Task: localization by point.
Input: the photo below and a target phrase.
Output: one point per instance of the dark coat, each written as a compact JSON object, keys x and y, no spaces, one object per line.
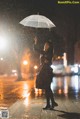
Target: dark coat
{"x":44,"y":77}
{"x":45,"y":54}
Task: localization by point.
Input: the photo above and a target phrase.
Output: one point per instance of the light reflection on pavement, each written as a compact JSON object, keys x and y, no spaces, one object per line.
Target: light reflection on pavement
{"x":12,"y":90}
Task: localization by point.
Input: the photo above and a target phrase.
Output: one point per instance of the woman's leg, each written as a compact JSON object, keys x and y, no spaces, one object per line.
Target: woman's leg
{"x":47,"y":97}
{"x":47,"y":100}
{"x":50,"y":97}
{"x":53,"y":103}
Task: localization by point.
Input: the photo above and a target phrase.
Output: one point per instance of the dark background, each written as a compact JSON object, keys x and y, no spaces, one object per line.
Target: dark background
{"x":65,"y":17}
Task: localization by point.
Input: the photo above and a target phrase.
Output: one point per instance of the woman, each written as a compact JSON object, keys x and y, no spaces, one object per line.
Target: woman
{"x":47,"y":52}
{"x":45,"y":74}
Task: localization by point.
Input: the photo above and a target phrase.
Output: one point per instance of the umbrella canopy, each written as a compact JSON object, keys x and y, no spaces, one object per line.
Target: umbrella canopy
{"x":37,"y":21}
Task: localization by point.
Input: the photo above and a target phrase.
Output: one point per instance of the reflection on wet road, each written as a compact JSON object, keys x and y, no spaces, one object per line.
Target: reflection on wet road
{"x":12,"y":90}
{"x":66,"y":86}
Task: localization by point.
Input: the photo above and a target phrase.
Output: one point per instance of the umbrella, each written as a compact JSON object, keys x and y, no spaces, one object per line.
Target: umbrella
{"x":37,"y":21}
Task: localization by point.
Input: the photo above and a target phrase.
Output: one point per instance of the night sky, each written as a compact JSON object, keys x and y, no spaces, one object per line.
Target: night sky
{"x":65,"y":17}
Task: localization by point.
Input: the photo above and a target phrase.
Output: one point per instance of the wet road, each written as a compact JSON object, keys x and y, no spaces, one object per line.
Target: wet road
{"x":67,"y":86}
{"x":12,"y":90}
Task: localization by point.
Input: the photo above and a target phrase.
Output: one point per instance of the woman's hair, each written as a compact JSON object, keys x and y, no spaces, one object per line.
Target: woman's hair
{"x":50,"y":44}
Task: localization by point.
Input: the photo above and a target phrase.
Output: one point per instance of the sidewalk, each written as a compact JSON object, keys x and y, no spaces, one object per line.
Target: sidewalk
{"x":67,"y":109}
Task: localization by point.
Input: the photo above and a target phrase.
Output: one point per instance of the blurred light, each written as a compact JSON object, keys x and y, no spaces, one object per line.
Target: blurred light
{"x":26,"y":101}
{"x":53,"y":66}
{"x":25,"y":94}
{"x":35,"y":67}
{"x":76,"y":65}
{"x":59,"y":82}
{"x":65,"y":59}
{"x":75,"y":83}
{"x":53,"y":84}
{"x":25,"y":62}
{"x":15,"y":74}
{"x":65,"y":86}
{"x":3,"y":43}
{"x":38,"y":92}
{"x":14,"y":71}
{"x":25,"y":87}
{"x":75,"y":68}
{"x":58,"y":57}
{"x":60,"y":91}
{"x":66,"y":90}
{"x":1,"y":58}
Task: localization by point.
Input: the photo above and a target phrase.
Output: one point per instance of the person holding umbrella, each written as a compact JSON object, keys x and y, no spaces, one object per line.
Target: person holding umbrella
{"x":45,"y":74}
{"x":40,"y":21}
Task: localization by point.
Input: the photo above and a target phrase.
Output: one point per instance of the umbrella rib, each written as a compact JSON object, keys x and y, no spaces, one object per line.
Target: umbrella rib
{"x":48,"y":24}
{"x":38,"y":21}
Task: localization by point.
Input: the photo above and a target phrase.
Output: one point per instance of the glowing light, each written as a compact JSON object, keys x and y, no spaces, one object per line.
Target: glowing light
{"x":66,"y":90}
{"x":25,"y":91}
{"x":25,"y":62}
{"x":75,"y":83}
{"x":25,"y":94}
{"x":76,"y":65}
{"x":65,"y":59}
{"x":14,"y":71}
{"x":1,"y":58}
{"x":79,"y":65}
{"x":58,"y":57}
{"x":25,"y":87}
{"x":35,"y":67}
{"x":3,"y":43}
{"x":60,"y":91}
{"x":53,"y":66}
{"x":38,"y":92}
{"x":65,"y":86}
{"x":74,"y":69}
{"x":15,"y":74}
{"x":26,"y":101}
{"x":59,"y":82}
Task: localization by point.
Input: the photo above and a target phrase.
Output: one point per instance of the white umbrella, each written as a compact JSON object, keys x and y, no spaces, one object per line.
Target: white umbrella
{"x":37,"y":21}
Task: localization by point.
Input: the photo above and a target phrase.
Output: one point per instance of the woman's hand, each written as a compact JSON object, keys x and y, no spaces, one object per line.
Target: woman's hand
{"x":35,"y":40}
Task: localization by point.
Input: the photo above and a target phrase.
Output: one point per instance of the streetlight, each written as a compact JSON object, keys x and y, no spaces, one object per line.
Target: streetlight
{"x":1,"y":59}
{"x":25,"y":68}
{"x":35,"y":67}
{"x":25,"y":62}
